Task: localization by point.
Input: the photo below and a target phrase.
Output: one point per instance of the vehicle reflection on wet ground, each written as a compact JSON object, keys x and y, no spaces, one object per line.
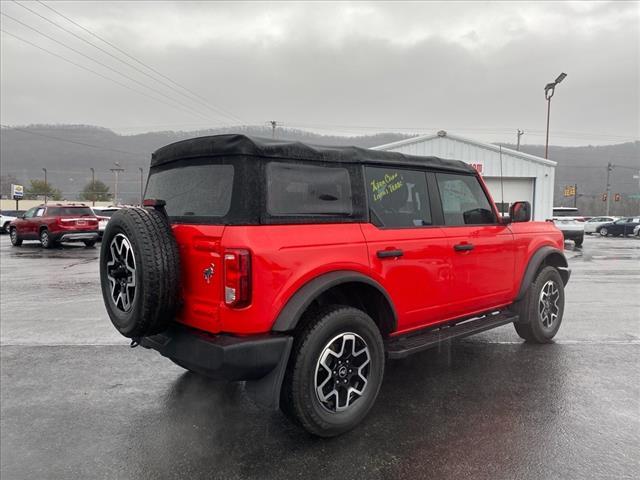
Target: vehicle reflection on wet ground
{"x":77,"y":402}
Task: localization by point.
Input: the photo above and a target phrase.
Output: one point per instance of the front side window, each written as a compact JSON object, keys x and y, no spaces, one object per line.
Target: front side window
{"x":300,"y":190}
{"x":398,"y":198}
{"x":39,"y":212}
{"x":463,"y":200}
{"x":193,"y":190}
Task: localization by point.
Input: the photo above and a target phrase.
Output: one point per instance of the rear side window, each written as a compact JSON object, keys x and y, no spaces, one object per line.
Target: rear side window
{"x":398,"y":198}
{"x":463,"y":200}
{"x":68,"y":211}
{"x":193,"y":190}
{"x":303,"y":190}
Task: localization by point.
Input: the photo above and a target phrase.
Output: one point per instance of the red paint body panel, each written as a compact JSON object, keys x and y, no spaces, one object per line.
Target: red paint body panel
{"x":430,"y":283}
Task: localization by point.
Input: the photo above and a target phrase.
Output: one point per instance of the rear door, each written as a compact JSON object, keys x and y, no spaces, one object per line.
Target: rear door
{"x":483,"y":250}
{"x":407,"y":252}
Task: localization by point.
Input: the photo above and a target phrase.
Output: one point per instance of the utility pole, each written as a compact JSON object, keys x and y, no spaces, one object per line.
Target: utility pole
{"x":609,"y":168}
{"x":520,"y":133}
{"x":116,"y":171}
{"x":93,"y":187}
{"x":141,"y":191}
{"x":575,"y":196}
{"x":46,"y":185}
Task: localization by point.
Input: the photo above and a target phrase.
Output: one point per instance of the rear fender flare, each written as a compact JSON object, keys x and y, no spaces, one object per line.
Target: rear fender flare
{"x":544,"y":255}
{"x":290,"y":315}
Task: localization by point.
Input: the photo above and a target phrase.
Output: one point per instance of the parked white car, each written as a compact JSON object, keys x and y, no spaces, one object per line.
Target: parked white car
{"x":6,"y":217}
{"x":572,"y":228}
{"x":104,"y":214}
{"x":636,"y":231}
{"x":590,"y":226}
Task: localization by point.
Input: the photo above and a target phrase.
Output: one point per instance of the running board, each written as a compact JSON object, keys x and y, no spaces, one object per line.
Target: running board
{"x":400,"y":347}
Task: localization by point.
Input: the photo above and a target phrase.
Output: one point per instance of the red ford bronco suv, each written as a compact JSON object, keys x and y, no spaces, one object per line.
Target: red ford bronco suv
{"x":300,"y":269}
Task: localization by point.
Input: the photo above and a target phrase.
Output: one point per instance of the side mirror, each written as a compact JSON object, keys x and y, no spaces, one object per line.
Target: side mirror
{"x":520,"y":212}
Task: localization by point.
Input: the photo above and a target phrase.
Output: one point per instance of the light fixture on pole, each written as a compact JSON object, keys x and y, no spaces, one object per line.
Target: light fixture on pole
{"x":549,"y":90}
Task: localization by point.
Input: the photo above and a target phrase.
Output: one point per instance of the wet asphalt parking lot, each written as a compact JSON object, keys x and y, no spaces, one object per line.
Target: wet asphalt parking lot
{"x":78,"y":403}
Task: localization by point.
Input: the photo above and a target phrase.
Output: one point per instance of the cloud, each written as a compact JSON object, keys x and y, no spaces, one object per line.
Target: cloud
{"x":460,"y":65}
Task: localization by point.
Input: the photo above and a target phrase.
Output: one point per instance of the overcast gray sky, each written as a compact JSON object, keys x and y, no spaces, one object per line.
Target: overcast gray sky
{"x":474,"y":68}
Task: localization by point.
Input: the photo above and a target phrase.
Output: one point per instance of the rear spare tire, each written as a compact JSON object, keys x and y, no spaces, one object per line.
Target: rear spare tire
{"x":140,"y":272}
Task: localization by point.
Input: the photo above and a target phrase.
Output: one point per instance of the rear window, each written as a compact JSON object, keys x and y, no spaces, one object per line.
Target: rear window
{"x":303,"y":190}
{"x":68,"y":211}
{"x":193,"y":190}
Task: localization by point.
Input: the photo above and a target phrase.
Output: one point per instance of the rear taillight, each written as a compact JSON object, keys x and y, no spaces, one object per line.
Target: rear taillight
{"x":237,"y":278}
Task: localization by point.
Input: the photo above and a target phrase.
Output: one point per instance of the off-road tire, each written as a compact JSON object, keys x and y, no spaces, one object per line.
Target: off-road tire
{"x":89,"y":243}
{"x":45,"y":239}
{"x":157,"y":272}
{"x":16,"y":241}
{"x":299,"y":400}
{"x":530,"y":326}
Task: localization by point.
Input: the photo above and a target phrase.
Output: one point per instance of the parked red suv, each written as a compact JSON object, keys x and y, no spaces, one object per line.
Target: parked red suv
{"x":54,"y":223}
{"x":300,"y":269}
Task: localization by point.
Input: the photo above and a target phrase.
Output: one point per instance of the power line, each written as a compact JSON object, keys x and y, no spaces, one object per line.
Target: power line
{"x":88,"y":69}
{"x":105,"y":51}
{"x":219,"y":110}
{"x":184,"y":107}
{"x":71,"y":141}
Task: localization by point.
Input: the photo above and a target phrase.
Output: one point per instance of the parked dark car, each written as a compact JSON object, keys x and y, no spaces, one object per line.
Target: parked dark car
{"x":54,"y":223}
{"x":624,"y":226}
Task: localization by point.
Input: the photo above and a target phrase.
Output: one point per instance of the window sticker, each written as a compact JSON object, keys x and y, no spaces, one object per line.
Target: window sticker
{"x":385,"y":186}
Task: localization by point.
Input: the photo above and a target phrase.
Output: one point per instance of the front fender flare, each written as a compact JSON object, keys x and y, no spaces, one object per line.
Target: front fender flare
{"x":290,"y":315}
{"x":551,"y":255}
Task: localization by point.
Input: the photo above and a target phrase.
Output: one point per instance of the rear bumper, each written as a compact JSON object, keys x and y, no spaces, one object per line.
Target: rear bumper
{"x":573,"y":234}
{"x":75,"y":236}
{"x":223,"y":357}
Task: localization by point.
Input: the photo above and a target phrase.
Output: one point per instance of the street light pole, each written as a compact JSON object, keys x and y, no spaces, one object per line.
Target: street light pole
{"x":93,"y":187}
{"x":549,"y":90}
{"x":141,"y":192}
{"x":46,"y":185}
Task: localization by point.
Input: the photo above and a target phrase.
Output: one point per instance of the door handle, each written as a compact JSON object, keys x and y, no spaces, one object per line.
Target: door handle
{"x":463,"y":247}
{"x":389,"y":253}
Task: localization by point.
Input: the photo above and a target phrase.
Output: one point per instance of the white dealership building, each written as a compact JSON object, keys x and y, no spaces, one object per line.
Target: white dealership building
{"x":524,"y":176}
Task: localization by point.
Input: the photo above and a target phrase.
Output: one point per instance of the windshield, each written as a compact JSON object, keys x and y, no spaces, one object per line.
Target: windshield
{"x":193,"y":190}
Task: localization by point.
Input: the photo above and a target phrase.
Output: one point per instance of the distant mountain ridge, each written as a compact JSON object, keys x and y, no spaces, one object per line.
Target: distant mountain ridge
{"x":25,"y":151}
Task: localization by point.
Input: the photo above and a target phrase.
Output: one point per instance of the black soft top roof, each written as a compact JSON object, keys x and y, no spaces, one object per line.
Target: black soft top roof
{"x":236,"y":144}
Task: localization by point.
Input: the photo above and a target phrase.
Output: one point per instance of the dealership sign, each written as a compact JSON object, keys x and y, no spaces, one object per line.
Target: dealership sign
{"x":17,"y":191}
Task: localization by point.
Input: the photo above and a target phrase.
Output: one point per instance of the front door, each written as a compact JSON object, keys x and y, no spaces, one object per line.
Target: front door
{"x":26,"y":225}
{"x":483,"y":249}
{"x":406,"y":251}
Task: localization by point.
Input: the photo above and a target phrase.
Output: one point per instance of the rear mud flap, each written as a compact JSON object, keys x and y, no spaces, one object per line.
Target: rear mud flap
{"x":266,"y":391}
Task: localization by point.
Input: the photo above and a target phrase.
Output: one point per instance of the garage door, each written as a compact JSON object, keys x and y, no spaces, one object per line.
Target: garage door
{"x":515,"y":189}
